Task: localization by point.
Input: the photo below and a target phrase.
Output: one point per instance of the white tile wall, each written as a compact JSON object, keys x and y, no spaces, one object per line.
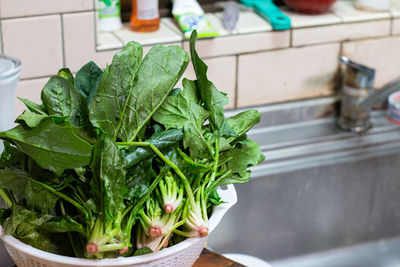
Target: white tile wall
{"x":396,"y":26}
{"x":287,"y":74}
{"x":222,"y":72}
{"x":23,"y":8}
{"x":341,"y":32}
{"x":37,"y":41}
{"x":237,"y":44}
{"x":269,"y":70}
{"x":107,"y":40}
{"x":300,"y":20}
{"x":79,"y":42}
{"x":29,"y":89}
{"x":382,"y":54}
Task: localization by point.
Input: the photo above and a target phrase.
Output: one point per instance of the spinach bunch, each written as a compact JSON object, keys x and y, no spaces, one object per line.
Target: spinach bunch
{"x":120,"y":162}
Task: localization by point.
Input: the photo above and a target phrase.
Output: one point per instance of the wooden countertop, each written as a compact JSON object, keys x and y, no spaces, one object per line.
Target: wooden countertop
{"x":212,"y":259}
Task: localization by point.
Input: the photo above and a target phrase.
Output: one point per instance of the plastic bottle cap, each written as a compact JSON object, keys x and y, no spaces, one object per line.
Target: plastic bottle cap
{"x":9,"y":66}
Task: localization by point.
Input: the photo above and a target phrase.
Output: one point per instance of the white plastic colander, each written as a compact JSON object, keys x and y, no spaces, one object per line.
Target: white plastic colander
{"x":183,"y":254}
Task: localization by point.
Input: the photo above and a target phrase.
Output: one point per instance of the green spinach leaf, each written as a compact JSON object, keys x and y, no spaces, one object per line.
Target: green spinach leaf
{"x":11,"y":156}
{"x":33,"y":107}
{"x":109,"y":171}
{"x":87,"y":80}
{"x":214,"y":100}
{"x":179,"y":112}
{"x":243,"y":122}
{"x":125,"y":113}
{"x":162,"y":140}
{"x":20,"y":184}
{"x":247,"y":153}
{"x":60,"y":98}
{"x":66,"y":74}
{"x":139,"y":179}
{"x":31,"y":119}
{"x":107,"y":109}
{"x":52,"y":146}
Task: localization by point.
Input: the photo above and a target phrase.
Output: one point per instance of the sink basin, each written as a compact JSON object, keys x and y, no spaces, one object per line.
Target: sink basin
{"x":384,"y":253}
{"x":319,"y":189}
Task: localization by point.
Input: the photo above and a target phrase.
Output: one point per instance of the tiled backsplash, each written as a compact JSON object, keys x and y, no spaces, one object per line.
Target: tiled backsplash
{"x":254,"y":64}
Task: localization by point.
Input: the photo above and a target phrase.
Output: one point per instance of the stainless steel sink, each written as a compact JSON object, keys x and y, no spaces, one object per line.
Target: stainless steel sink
{"x":319,"y":189}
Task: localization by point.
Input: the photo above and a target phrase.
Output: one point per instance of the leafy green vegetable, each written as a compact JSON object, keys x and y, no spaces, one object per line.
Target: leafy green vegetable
{"x":87,"y":80}
{"x":33,"y":107}
{"x":60,"y":98}
{"x":214,"y":100}
{"x":162,"y":140}
{"x":11,"y":156}
{"x":243,"y":122}
{"x":181,"y":112}
{"x":107,"y":110}
{"x":66,"y":74}
{"x":109,"y":177}
{"x":142,"y":251}
{"x":31,"y":119}
{"x":121,"y":162}
{"x":23,"y":187}
{"x":53,"y":147}
{"x":246,"y":154}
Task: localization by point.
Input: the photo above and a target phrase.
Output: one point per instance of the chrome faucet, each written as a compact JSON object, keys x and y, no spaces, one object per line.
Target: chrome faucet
{"x":358,"y":96}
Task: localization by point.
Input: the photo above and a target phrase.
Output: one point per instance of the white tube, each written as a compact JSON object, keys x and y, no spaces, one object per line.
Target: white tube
{"x":190,"y":17}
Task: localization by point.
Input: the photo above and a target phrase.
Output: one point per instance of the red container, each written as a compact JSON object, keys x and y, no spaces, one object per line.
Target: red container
{"x":310,"y":6}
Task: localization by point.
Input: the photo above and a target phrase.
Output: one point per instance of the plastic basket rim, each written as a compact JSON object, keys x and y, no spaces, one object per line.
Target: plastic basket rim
{"x":228,"y":195}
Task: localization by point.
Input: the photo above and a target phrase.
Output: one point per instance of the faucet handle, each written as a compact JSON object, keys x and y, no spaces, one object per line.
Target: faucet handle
{"x":357,"y":75}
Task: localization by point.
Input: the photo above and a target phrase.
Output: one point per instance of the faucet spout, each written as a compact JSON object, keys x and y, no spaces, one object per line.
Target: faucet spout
{"x":380,"y":95}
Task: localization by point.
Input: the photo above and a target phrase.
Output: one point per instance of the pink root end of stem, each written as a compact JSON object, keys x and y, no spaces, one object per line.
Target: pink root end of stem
{"x":166,"y":244}
{"x":202,"y":231}
{"x":168,"y":208}
{"x":154,"y":231}
{"x":123,"y":250}
{"x":91,"y":248}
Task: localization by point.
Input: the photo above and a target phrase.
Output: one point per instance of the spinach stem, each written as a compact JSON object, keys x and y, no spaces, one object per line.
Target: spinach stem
{"x":167,"y":161}
{"x":6,"y":198}
{"x":214,"y":171}
{"x":136,"y":208}
{"x":61,"y":195}
{"x":71,"y":240}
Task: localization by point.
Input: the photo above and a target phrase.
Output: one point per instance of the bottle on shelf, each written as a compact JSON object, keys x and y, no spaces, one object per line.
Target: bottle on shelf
{"x":145,"y":16}
{"x":109,"y":12}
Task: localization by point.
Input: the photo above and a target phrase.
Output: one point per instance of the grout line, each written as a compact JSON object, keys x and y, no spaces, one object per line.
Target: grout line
{"x":96,"y":31}
{"x":48,"y":14}
{"x":391,"y":26}
{"x":342,"y":23}
{"x":63,"y":40}
{"x":147,"y":45}
{"x":344,"y":40}
{"x":118,"y":38}
{"x":179,"y":32}
{"x":291,"y":37}
{"x":1,"y":38}
{"x":235,"y":104}
{"x":35,"y":78}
